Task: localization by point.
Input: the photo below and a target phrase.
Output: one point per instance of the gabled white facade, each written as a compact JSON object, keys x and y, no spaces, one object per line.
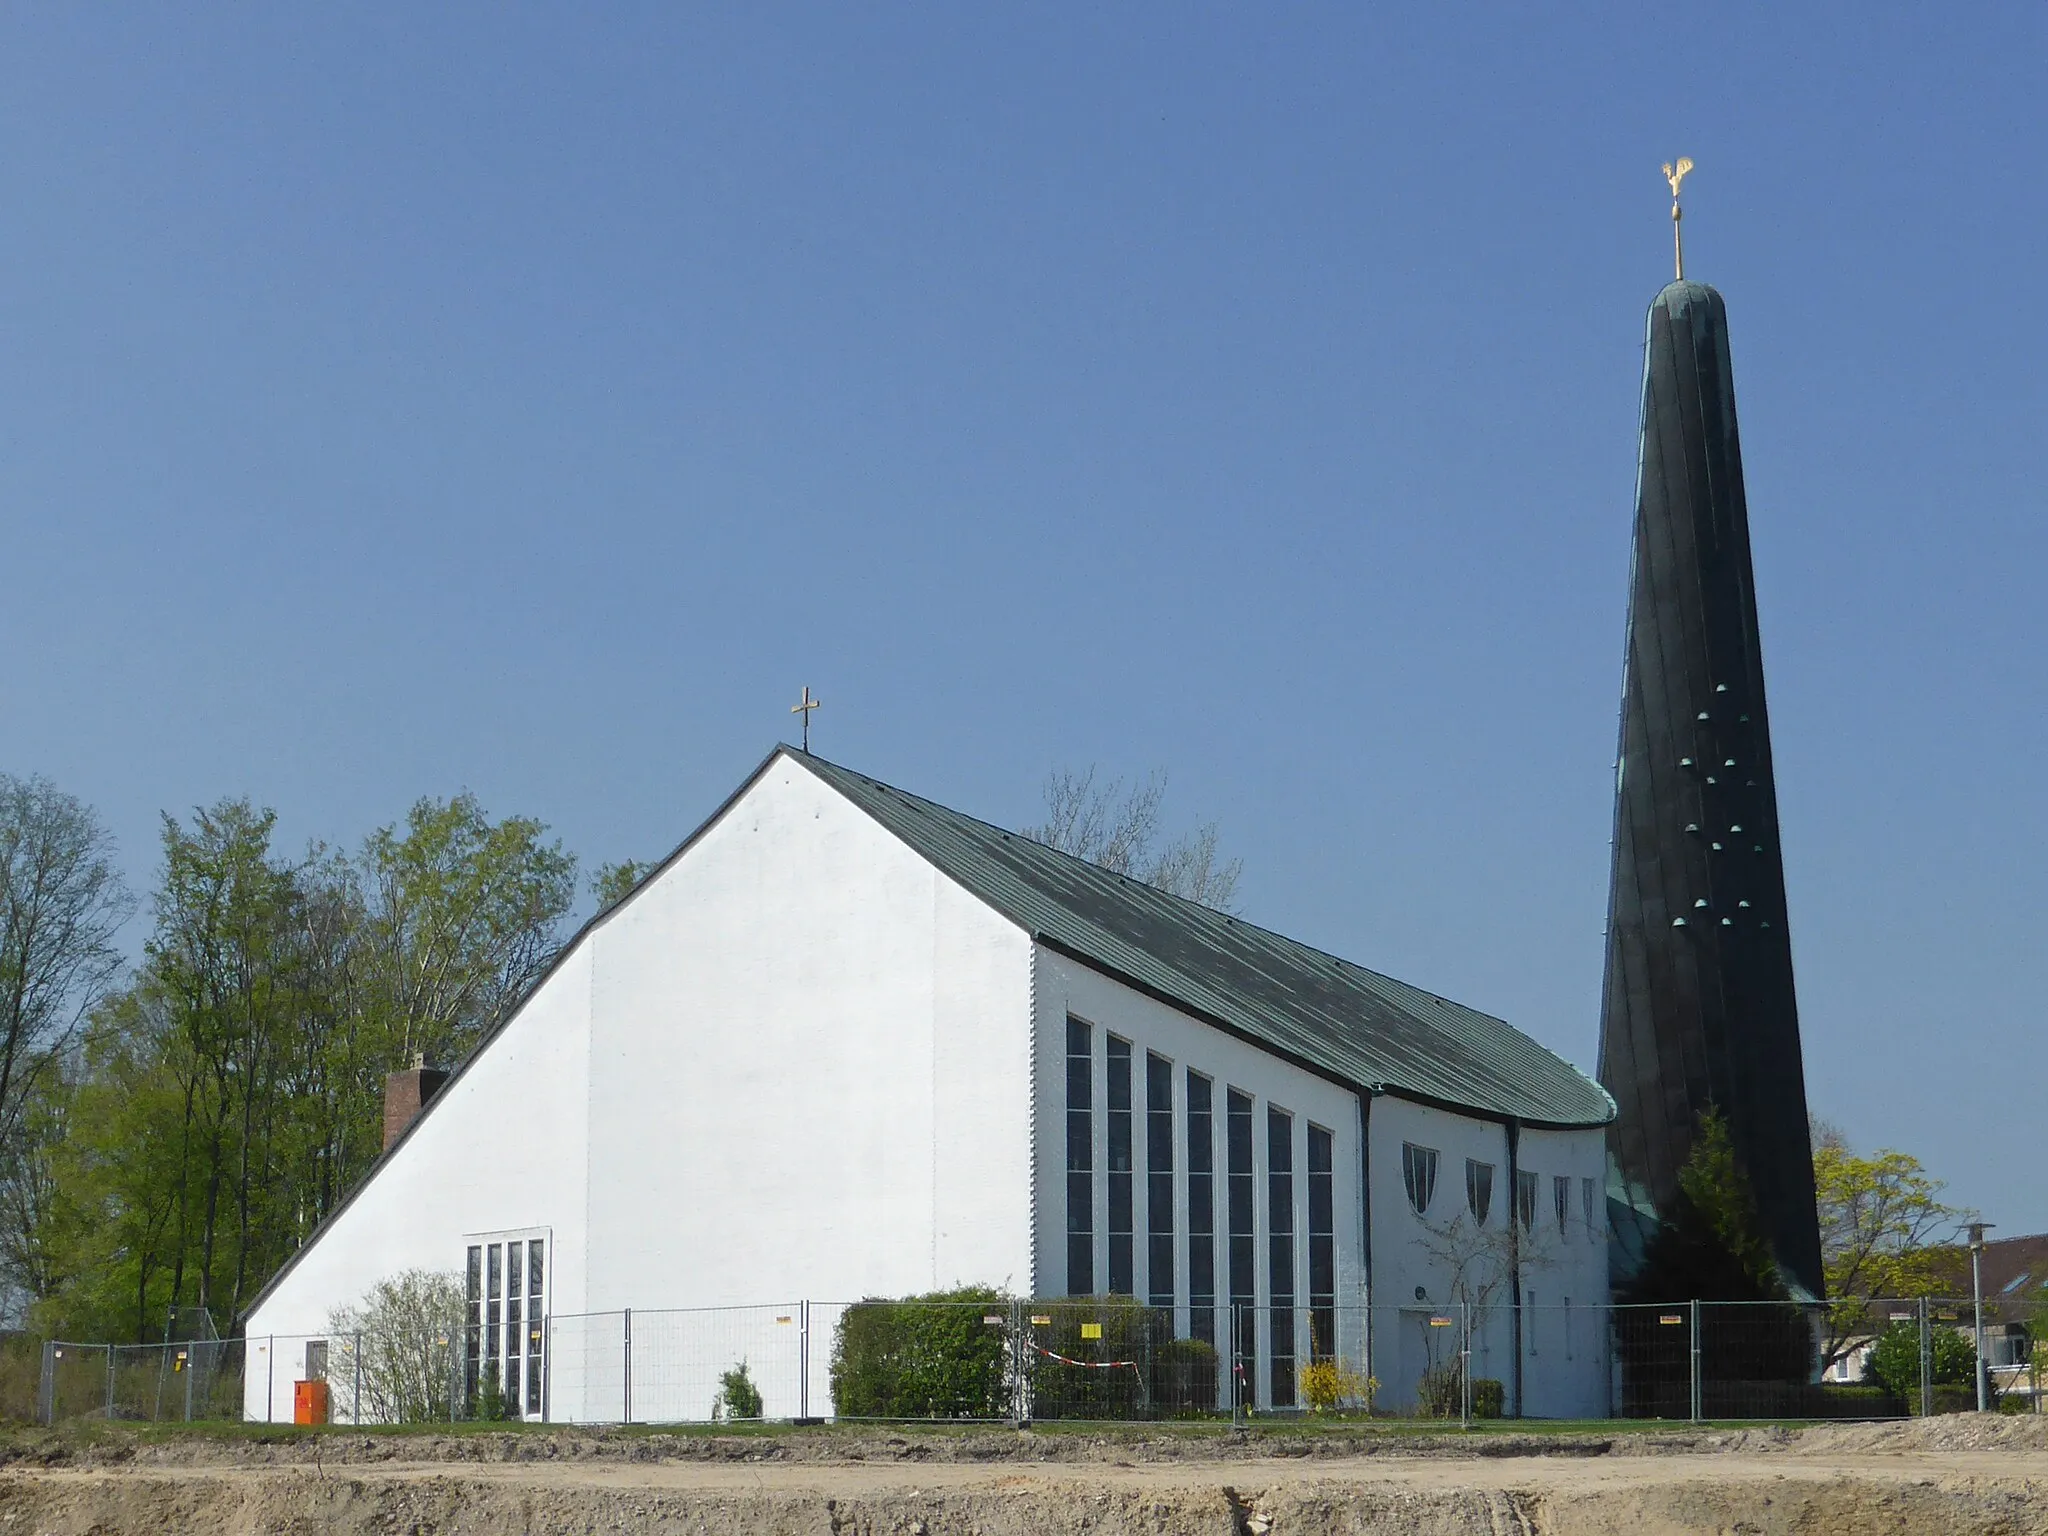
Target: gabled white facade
{"x":802,"y":1063}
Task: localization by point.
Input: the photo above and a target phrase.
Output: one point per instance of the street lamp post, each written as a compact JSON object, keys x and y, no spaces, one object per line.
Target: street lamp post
{"x":1977,"y":1230}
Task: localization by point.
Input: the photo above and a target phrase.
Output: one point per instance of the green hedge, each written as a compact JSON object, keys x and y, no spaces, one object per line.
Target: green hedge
{"x":1165,"y":1378}
{"x":924,"y":1357}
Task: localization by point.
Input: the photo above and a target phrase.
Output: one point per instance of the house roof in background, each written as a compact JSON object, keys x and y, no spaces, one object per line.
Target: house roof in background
{"x":1335,"y":1017}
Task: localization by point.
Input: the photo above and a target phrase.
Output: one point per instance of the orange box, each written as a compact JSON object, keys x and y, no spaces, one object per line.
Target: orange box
{"x":309,"y":1402}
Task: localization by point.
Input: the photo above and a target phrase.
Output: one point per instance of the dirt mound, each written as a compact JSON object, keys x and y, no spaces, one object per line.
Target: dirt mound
{"x":1942,"y":1433}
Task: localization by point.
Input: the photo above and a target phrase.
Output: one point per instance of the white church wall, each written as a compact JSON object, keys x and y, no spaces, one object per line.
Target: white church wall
{"x":1067,"y":988}
{"x":501,"y":1147}
{"x":1415,"y":1256}
{"x":809,"y":1079}
{"x":1564,"y":1349}
{"x":1565,"y":1338}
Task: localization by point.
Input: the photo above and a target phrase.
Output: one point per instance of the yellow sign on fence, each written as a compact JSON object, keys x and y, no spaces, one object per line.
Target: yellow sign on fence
{"x":1091,"y":1330}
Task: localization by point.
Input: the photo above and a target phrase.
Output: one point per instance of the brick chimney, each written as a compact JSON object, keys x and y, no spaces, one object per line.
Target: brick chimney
{"x":406,"y":1094}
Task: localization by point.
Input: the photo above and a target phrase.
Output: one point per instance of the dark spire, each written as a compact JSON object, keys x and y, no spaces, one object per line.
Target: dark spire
{"x":1698,"y":1007}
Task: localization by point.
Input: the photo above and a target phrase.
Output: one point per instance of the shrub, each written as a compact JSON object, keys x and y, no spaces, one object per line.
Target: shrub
{"x":924,"y":1357}
{"x":407,"y":1331}
{"x":1440,"y":1394}
{"x":1489,"y":1398}
{"x":1894,"y":1361}
{"x":1328,"y":1386}
{"x":738,"y":1397}
{"x":490,"y":1405}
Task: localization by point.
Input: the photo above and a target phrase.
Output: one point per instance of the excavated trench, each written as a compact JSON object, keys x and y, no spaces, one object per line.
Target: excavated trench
{"x":1955,"y":1480}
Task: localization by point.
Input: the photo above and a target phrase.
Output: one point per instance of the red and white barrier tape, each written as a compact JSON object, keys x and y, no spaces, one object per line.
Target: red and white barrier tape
{"x":1093,"y":1365}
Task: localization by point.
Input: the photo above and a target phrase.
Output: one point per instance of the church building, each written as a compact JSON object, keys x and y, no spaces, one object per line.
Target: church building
{"x":845,"y":1042}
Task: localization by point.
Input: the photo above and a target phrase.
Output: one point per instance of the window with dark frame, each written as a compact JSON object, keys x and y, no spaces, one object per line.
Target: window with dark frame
{"x":1122,"y":1220}
{"x":1589,"y":1196}
{"x":1201,"y":1209}
{"x":1561,"y":1197}
{"x":1080,"y":1159}
{"x":1525,"y":1198}
{"x":1478,"y":1189}
{"x":1244,"y":1260}
{"x":1159,"y":1179}
{"x":1322,"y":1244}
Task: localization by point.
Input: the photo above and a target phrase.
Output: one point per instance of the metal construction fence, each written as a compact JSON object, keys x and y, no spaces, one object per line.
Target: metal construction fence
{"x":1014,"y":1360}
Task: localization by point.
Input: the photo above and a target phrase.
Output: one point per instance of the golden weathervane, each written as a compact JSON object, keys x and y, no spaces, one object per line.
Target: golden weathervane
{"x":1676,"y":174}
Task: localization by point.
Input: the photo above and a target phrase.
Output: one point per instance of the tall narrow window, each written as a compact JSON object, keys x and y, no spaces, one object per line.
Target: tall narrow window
{"x":515,"y":1333}
{"x":1118,"y":1066}
{"x":1589,"y":1196}
{"x":494,"y":1281}
{"x":1159,"y":1179}
{"x":1525,"y":1198}
{"x":1418,"y":1172}
{"x":1201,"y":1209}
{"x":473,"y":1342}
{"x":1244,"y":1262}
{"x":1080,"y":1160}
{"x":536,"y":1269}
{"x":1478,"y":1189}
{"x":1322,"y":1245}
{"x":1280,"y":1249}
{"x":1561,"y":1197}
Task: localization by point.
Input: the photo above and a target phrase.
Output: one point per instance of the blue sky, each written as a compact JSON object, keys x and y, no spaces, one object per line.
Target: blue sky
{"x":400,"y":399}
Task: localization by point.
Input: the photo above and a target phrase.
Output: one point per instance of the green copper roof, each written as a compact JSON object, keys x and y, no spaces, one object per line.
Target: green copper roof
{"x":1333,"y":1017}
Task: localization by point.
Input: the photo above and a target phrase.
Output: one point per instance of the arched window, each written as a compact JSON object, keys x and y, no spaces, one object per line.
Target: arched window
{"x":1418,"y":1171}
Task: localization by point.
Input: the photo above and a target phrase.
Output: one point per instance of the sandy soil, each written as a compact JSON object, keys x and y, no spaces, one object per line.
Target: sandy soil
{"x":1953,"y":1477}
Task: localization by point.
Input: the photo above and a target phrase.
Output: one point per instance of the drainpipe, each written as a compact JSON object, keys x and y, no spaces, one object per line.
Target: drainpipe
{"x":1365,"y":1212}
{"x":1514,"y":1193}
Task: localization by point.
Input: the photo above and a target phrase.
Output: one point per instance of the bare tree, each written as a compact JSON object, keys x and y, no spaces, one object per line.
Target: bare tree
{"x":61,"y":903}
{"x":1108,"y":823}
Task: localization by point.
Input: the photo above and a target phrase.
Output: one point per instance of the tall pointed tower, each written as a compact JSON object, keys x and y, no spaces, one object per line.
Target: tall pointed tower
{"x":1698,"y":1005}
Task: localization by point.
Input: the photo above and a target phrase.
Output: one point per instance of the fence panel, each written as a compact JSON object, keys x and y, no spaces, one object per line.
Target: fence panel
{"x":586,"y":1365}
{"x":681,"y":1356}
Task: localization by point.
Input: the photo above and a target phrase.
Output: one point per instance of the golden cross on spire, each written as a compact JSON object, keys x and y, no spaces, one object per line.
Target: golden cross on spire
{"x":804,"y":708}
{"x":1676,"y":174}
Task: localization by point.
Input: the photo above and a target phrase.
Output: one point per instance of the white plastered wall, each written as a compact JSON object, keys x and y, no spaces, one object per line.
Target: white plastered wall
{"x":1564,"y":1354}
{"x":809,"y":1082}
{"x":502,"y":1146}
{"x":1565,"y":1334}
{"x":1066,"y":987}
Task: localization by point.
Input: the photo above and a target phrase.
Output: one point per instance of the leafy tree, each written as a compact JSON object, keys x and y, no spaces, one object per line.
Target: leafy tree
{"x":464,"y":916}
{"x":61,"y":903}
{"x":226,"y":1099}
{"x":1116,"y":826}
{"x":1881,"y":1221}
{"x":614,"y":882}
